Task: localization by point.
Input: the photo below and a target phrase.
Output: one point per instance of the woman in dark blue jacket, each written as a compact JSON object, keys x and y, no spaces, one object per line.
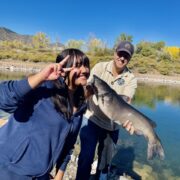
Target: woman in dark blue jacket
{"x":47,"y":111}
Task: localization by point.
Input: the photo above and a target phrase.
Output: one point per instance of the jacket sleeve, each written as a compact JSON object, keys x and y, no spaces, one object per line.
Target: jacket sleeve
{"x":12,"y":94}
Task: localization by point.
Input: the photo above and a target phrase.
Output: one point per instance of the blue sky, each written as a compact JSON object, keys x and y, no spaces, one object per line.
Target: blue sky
{"x":149,"y":20}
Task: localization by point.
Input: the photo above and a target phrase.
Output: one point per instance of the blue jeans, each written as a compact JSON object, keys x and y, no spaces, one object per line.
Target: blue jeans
{"x":90,"y":135}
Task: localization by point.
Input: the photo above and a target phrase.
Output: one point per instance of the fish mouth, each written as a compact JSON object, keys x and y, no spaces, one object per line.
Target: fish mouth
{"x":91,"y":85}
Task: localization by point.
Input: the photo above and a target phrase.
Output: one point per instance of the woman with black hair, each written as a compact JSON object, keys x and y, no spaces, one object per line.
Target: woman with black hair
{"x":47,"y":110}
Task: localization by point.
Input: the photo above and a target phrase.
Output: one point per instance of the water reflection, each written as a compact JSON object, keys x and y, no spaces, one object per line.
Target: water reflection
{"x":149,"y":94}
{"x":7,"y":75}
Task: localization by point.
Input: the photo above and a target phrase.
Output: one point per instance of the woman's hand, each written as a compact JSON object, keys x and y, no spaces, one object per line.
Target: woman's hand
{"x":59,"y":175}
{"x":50,"y":72}
{"x":54,"y":71}
{"x":129,"y":127}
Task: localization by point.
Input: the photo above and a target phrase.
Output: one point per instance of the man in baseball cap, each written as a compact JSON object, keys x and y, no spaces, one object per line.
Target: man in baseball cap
{"x":97,"y":129}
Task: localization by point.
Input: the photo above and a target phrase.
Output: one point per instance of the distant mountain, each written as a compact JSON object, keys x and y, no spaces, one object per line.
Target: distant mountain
{"x":9,"y":35}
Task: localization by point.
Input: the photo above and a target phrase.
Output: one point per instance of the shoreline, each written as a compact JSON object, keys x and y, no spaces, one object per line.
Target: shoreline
{"x":9,"y":65}
{"x":158,"y":79}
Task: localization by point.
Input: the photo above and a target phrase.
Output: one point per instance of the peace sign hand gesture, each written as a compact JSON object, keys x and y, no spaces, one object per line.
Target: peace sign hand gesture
{"x":50,"y":72}
{"x":55,"y":70}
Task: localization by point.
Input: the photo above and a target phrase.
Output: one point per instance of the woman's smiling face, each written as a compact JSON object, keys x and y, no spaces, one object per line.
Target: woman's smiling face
{"x":80,"y":73}
{"x":78,"y":76}
{"x":80,"y":65}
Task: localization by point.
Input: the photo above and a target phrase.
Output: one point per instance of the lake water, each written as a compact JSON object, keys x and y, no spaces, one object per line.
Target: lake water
{"x":161,"y":104}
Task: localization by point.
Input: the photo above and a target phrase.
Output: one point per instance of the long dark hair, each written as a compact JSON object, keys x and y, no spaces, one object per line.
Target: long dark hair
{"x":61,"y":99}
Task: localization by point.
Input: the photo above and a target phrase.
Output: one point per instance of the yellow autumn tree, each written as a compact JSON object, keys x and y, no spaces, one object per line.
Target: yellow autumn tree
{"x":173,"y":51}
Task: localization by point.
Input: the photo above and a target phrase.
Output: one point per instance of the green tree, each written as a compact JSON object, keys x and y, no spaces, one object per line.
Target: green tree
{"x":96,"y":46}
{"x":78,"y":44}
{"x":123,"y":37}
{"x":145,"y":48}
{"x":159,"y":45}
{"x":40,"y":40}
{"x":17,"y":44}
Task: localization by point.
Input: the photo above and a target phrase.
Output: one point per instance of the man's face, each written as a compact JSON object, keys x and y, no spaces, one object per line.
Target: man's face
{"x":121,"y":59}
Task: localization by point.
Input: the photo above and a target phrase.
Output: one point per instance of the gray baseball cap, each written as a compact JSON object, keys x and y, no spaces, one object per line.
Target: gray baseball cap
{"x":125,"y":46}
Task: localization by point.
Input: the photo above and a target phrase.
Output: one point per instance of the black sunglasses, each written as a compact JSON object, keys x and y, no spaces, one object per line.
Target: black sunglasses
{"x":124,"y":54}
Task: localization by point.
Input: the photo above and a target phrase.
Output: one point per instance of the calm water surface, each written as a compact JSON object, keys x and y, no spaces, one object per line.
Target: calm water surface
{"x":161,"y":104}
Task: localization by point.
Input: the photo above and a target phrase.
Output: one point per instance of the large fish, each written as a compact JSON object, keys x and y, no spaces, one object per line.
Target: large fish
{"x":116,"y":109}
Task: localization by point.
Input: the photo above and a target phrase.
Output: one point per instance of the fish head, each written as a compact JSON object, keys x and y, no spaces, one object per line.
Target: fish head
{"x":104,"y":96}
{"x":100,"y":86}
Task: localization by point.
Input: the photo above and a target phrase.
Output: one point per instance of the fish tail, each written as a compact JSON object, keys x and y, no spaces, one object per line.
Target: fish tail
{"x":155,"y":148}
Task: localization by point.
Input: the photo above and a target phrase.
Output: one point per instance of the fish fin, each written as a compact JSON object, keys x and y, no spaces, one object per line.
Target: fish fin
{"x":155,"y":149}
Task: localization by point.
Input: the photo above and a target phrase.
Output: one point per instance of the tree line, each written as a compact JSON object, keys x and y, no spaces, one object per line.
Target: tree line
{"x":149,"y":57}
